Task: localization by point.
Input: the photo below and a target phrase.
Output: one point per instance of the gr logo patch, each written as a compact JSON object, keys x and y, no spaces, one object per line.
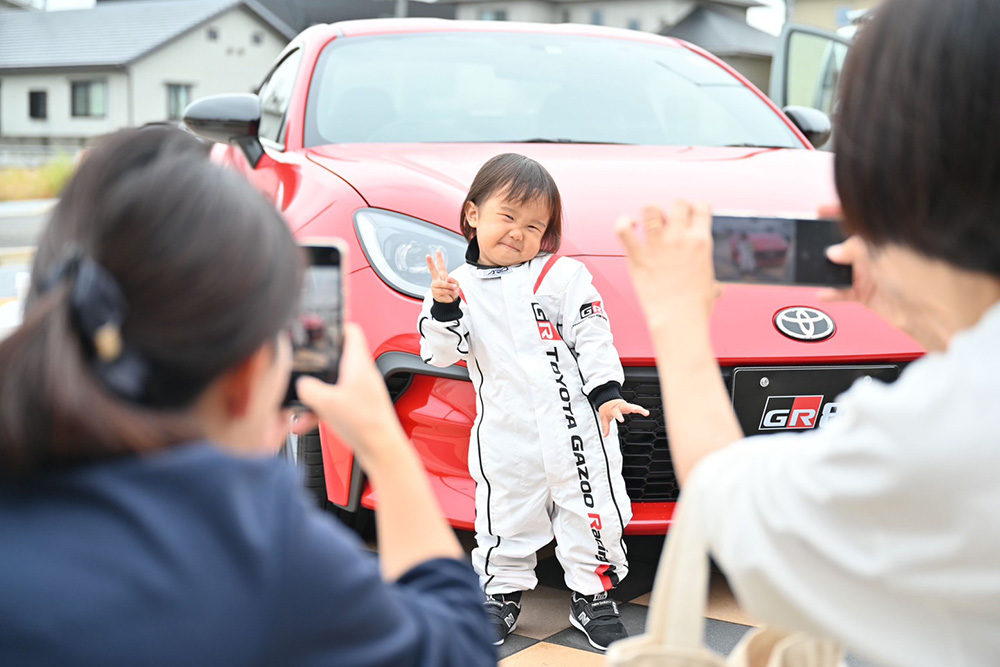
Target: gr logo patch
{"x":589,"y":309}
{"x":790,"y":412}
{"x":546,"y":330}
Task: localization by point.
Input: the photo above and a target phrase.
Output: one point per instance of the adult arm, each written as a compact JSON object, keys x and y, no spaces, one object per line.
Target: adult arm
{"x":332,"y":606}
{"x":410,"y":526}
{"x":674,"y":278}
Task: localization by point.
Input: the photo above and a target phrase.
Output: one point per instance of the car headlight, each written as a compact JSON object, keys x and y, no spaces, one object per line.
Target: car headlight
{"x":397,"y":246}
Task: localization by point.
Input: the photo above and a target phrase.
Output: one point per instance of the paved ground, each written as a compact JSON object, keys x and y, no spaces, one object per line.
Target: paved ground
{"x":544,"y":637}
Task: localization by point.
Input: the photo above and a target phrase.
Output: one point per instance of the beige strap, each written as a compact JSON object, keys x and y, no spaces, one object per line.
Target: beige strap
{"x":680,"y":590}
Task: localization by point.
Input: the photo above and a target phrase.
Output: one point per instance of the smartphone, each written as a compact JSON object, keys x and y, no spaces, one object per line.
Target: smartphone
{"x":777,"y":251}
{"x":317,"y":330}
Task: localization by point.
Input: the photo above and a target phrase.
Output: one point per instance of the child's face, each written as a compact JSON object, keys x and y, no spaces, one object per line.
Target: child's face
{"x":509,"y":232}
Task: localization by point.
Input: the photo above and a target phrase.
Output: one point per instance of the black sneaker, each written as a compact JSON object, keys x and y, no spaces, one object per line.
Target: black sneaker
{"x":503,"y":610}
{"x":597,"y":617}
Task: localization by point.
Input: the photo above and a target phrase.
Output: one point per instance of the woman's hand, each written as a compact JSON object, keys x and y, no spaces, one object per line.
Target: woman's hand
{"x":411,"y":528}
{"x":358,"y":407}
{"x":444,"y":288}
{"x":617,"y":409}
{"x":854,"y":253}
{"x":674,"y":277}
{"x":672,"y":269}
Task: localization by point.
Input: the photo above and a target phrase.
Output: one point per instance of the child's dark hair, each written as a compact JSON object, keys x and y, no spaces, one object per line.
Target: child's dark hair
{"x":194,"y":268}
{"x":521,"y":179}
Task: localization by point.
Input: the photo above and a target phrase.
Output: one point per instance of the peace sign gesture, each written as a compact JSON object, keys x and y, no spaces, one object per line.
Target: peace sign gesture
{"x":444,"y":288}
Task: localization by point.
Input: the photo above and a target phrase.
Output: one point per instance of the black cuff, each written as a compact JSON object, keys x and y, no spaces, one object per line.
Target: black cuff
{"x":608,"y":391}
{"x":447,"y":312}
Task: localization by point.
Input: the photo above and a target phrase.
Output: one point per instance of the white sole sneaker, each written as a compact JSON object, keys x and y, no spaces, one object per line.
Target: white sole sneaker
{"x":576,"y":624}
{"x":500,"y":642}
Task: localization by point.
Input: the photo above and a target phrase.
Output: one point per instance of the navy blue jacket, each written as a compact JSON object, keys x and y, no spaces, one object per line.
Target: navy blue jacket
{"x":195,"y":557}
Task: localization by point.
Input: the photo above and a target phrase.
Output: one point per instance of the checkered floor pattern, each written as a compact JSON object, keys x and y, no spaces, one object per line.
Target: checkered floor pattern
{"x":545,"y":638}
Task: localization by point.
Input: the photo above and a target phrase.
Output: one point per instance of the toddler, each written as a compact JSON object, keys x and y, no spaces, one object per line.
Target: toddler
{"x":544,"y":447}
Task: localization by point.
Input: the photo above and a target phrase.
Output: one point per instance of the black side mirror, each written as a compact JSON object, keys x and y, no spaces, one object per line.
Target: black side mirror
{"x":811,"y":122}
{"x":228,"y":119}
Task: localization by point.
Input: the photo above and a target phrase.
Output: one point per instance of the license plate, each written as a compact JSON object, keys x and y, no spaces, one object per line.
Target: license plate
{"x":784,"y":399}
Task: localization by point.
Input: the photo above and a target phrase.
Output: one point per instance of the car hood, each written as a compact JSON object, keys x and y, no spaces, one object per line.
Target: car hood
{"x":599,"y":183}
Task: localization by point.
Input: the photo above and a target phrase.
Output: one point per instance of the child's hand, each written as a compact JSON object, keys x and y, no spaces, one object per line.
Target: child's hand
{"x":444,"y":288}
{"x":617,"y":409}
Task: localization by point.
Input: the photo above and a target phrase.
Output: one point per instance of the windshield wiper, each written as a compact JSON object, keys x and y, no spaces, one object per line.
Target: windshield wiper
{"x":546,"y":140}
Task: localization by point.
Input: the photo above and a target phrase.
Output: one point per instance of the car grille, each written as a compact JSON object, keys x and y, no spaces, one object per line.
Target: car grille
{"x":648,"y":471}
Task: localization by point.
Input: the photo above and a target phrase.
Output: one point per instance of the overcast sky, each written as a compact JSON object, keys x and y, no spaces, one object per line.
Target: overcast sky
{"x":768,"y":19}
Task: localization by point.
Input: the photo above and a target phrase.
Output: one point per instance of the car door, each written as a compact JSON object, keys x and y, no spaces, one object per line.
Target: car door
{"x":806,"y":69}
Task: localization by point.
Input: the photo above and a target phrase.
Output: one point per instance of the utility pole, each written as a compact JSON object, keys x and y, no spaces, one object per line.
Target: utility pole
{"x":401,"y":9}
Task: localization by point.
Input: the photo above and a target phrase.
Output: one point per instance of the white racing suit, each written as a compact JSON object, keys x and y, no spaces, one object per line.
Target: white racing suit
{"x":537,"y":343}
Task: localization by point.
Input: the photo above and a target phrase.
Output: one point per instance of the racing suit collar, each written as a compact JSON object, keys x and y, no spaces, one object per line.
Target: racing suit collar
{"x":472,"y":257}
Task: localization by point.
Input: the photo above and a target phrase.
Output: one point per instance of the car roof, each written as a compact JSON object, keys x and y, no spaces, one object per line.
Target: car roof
{"x":368,"y":27}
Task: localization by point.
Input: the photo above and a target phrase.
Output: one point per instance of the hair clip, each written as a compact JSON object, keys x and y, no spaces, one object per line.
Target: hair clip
{"x":108,"y":342}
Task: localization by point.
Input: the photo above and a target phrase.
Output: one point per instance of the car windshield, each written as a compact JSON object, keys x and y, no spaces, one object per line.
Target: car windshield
{"x":510,"y":87}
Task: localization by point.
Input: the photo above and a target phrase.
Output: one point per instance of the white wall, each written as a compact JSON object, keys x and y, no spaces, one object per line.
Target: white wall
{"x":15,"y":120}
{"x":652,"y":15}
{"x":230,"y":64}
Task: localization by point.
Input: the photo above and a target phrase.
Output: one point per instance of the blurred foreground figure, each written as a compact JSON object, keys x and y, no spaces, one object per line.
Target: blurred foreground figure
{"x":881,"y":530}
{"x":144,"y":518}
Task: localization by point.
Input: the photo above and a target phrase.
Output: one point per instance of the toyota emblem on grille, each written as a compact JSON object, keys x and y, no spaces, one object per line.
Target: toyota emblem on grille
{"x":806,"y":324}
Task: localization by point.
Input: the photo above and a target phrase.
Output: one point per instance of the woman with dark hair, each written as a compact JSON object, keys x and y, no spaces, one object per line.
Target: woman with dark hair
{"x":880,"y":530}
{"x":143,"y":515}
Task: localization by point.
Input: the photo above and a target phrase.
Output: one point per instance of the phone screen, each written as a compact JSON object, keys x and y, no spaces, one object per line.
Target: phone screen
{"x":317,"y":331}
{"x":777,"y":251}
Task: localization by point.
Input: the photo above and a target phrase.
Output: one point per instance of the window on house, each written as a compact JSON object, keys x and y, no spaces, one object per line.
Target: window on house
{"x":494,"y":15}
{"x":178,"y":97}
{"x":38,"y":104}
{"x":88,"y":99}
{"x":597,"y":17}
{"x":212,"y":34}
{"x":634,"y":24}
{"x":257,"y":38}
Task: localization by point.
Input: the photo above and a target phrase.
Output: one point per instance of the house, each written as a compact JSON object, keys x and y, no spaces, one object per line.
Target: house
{"x":719,"y":26}
{"x":722,"y":29}
{"x":300,"y":14}
{"x":69,"y":76}
{"x":828,"y":14}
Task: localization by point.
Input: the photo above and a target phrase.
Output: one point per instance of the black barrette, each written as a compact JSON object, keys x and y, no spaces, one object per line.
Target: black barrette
{"x":99,"y":310}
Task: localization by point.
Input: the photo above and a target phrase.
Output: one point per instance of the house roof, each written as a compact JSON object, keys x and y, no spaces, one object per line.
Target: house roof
{"x":300,"y":14}
{"x":722,"y":34}
{"x":111,"y":34}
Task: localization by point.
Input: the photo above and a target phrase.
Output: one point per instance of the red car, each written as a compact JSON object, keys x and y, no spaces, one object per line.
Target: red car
{"x":373,"y":131}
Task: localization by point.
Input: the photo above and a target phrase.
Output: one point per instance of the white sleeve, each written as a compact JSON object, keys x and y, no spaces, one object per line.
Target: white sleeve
{"x":444,"y":336}
{"x":587,"y":331}
{"x":861,"y":531}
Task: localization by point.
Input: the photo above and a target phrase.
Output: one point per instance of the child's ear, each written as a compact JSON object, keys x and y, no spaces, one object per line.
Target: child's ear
{"x":471,"y":214}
